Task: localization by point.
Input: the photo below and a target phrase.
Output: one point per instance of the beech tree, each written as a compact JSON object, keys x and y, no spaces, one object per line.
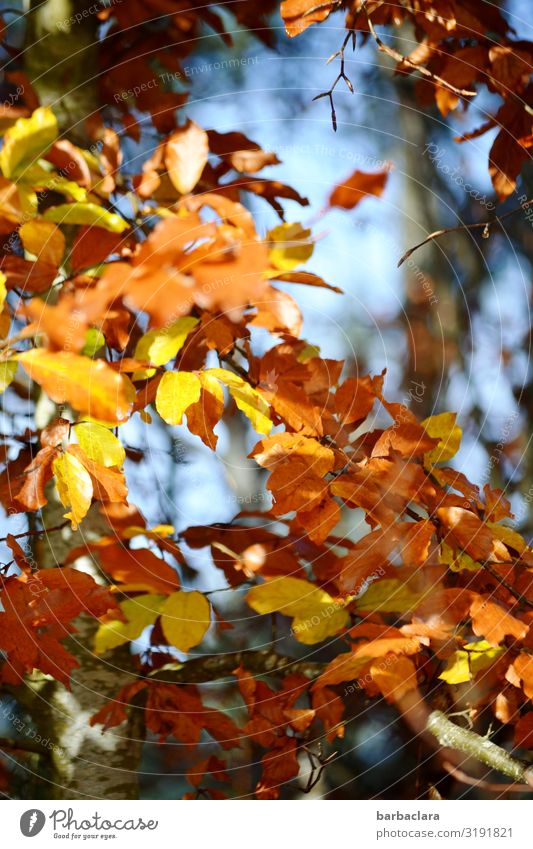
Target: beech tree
{"x":131,"y":290}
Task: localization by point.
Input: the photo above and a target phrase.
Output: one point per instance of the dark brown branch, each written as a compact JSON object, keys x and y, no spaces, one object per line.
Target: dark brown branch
{"x":213,"y":667}
{"x":42,"y":532}
{"x":23,"y":746}
{"x":469,"y":743}
{"x":485,"y":225}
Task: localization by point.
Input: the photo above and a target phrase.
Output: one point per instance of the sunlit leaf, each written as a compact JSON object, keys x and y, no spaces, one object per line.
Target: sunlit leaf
{"x":86,"y":213}
{"x":185,"y":618}
{"x":161,"y":345}
{"x":89,"y":386}
{"x":316,"y":615}
{"x":27,"y":140}
{"x":442,"y":427}
{"x":140,"y":612}
{"x":74,"y":486}
{"x":247,"y":399}
{"x":100,"y":444}
{"x":465,"y":663}
{"x":177,"y":391}
{"x":290,"y":246}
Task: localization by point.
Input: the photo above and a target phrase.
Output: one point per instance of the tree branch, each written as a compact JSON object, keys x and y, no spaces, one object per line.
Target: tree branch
{"x":213,"y":667}
{"x":483,"y":750}
{"x":485,"y":225}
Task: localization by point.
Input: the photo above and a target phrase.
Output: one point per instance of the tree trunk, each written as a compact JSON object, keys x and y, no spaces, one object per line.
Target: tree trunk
{"x":61,"y":60}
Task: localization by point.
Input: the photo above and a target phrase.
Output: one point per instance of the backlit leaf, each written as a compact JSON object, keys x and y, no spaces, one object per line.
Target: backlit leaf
{"x":465,"y":663}
{"x":177,"y":391}
{"x":89,"y":386}
{"x":290,"y":246}
{"x":185,"y":618}
{"x":140,"y":612}
{"x":74,"y":486}
{"x":27,"y":140}
{"x":100,"y":444}
{"x":161,"y":345}
{"x":86,"y":213}
{"x":443,"y":427}
{"x":247,"y":399}
{"x":186,"y":156}
{"x":316,"y":615}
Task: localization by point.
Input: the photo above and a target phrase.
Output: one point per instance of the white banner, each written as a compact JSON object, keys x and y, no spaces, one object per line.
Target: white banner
{"x":364,"y":824}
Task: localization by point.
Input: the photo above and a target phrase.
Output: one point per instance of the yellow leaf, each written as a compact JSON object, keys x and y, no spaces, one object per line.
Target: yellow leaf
{"x":89,"y":386}
{"x":86,"y":213}
{"x":161,"y":345}
{"x":457,"y":561}
{"x":177,"y":391}
{"x":316,"y":615}
{"x":247,"y":399}
{"x":390,"y":596}
{"x":44,"y":240}
{"x":462,"y":665}
{"x":185,"y":617}
{"x":100,"y":444}
{"x":74,"y":486}
{"x":140,"y":612}
{"x":46,"y":178}
{"x":290,"y":246}
{"x":8,"y":370}
{"x":511,"y":538}
{"x":186,"y":156}
{"x":27,"y":140}
{"x":442,"y":427}
{"x":3,"y":290}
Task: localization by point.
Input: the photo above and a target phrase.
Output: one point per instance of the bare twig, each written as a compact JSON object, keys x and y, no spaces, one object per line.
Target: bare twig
{"x":484,"y":225}
{"x":42,"y":532}
{"x":350,"y":35}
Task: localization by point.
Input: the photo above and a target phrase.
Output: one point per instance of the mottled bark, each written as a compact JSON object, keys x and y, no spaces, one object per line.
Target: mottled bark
{"x":61,"y":60}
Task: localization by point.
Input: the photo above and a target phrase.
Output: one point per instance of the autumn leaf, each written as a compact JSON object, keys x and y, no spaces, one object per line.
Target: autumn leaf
{"x":357,"y":187}
{"x":89,"y":214}
{"x":247,"y":399}
{"x":44,"y":240}
{"x":89,"y":386}
{"x":8,"y":370}
{"x":138,"y":612}
{"x":186,"y":152}
{"x":100,"y":444}
{"x":176,"y":392}
{"x":185,"y":618}
{"x":290,"y":246}
{"x":27,"y":140}
{"x":74,"y":486}
{"x":316,"y":615}
{"x":465,"y":663}
{"x":444,"y":428}
{"x":162,"y":344}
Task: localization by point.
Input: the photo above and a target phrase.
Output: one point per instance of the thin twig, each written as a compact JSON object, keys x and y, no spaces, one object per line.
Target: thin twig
{"x":340,"y":76}
{"x":485,"y":225}
{"x":509,"y":587}
{"x":404,"y":60}
{"x":42,"y":532}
